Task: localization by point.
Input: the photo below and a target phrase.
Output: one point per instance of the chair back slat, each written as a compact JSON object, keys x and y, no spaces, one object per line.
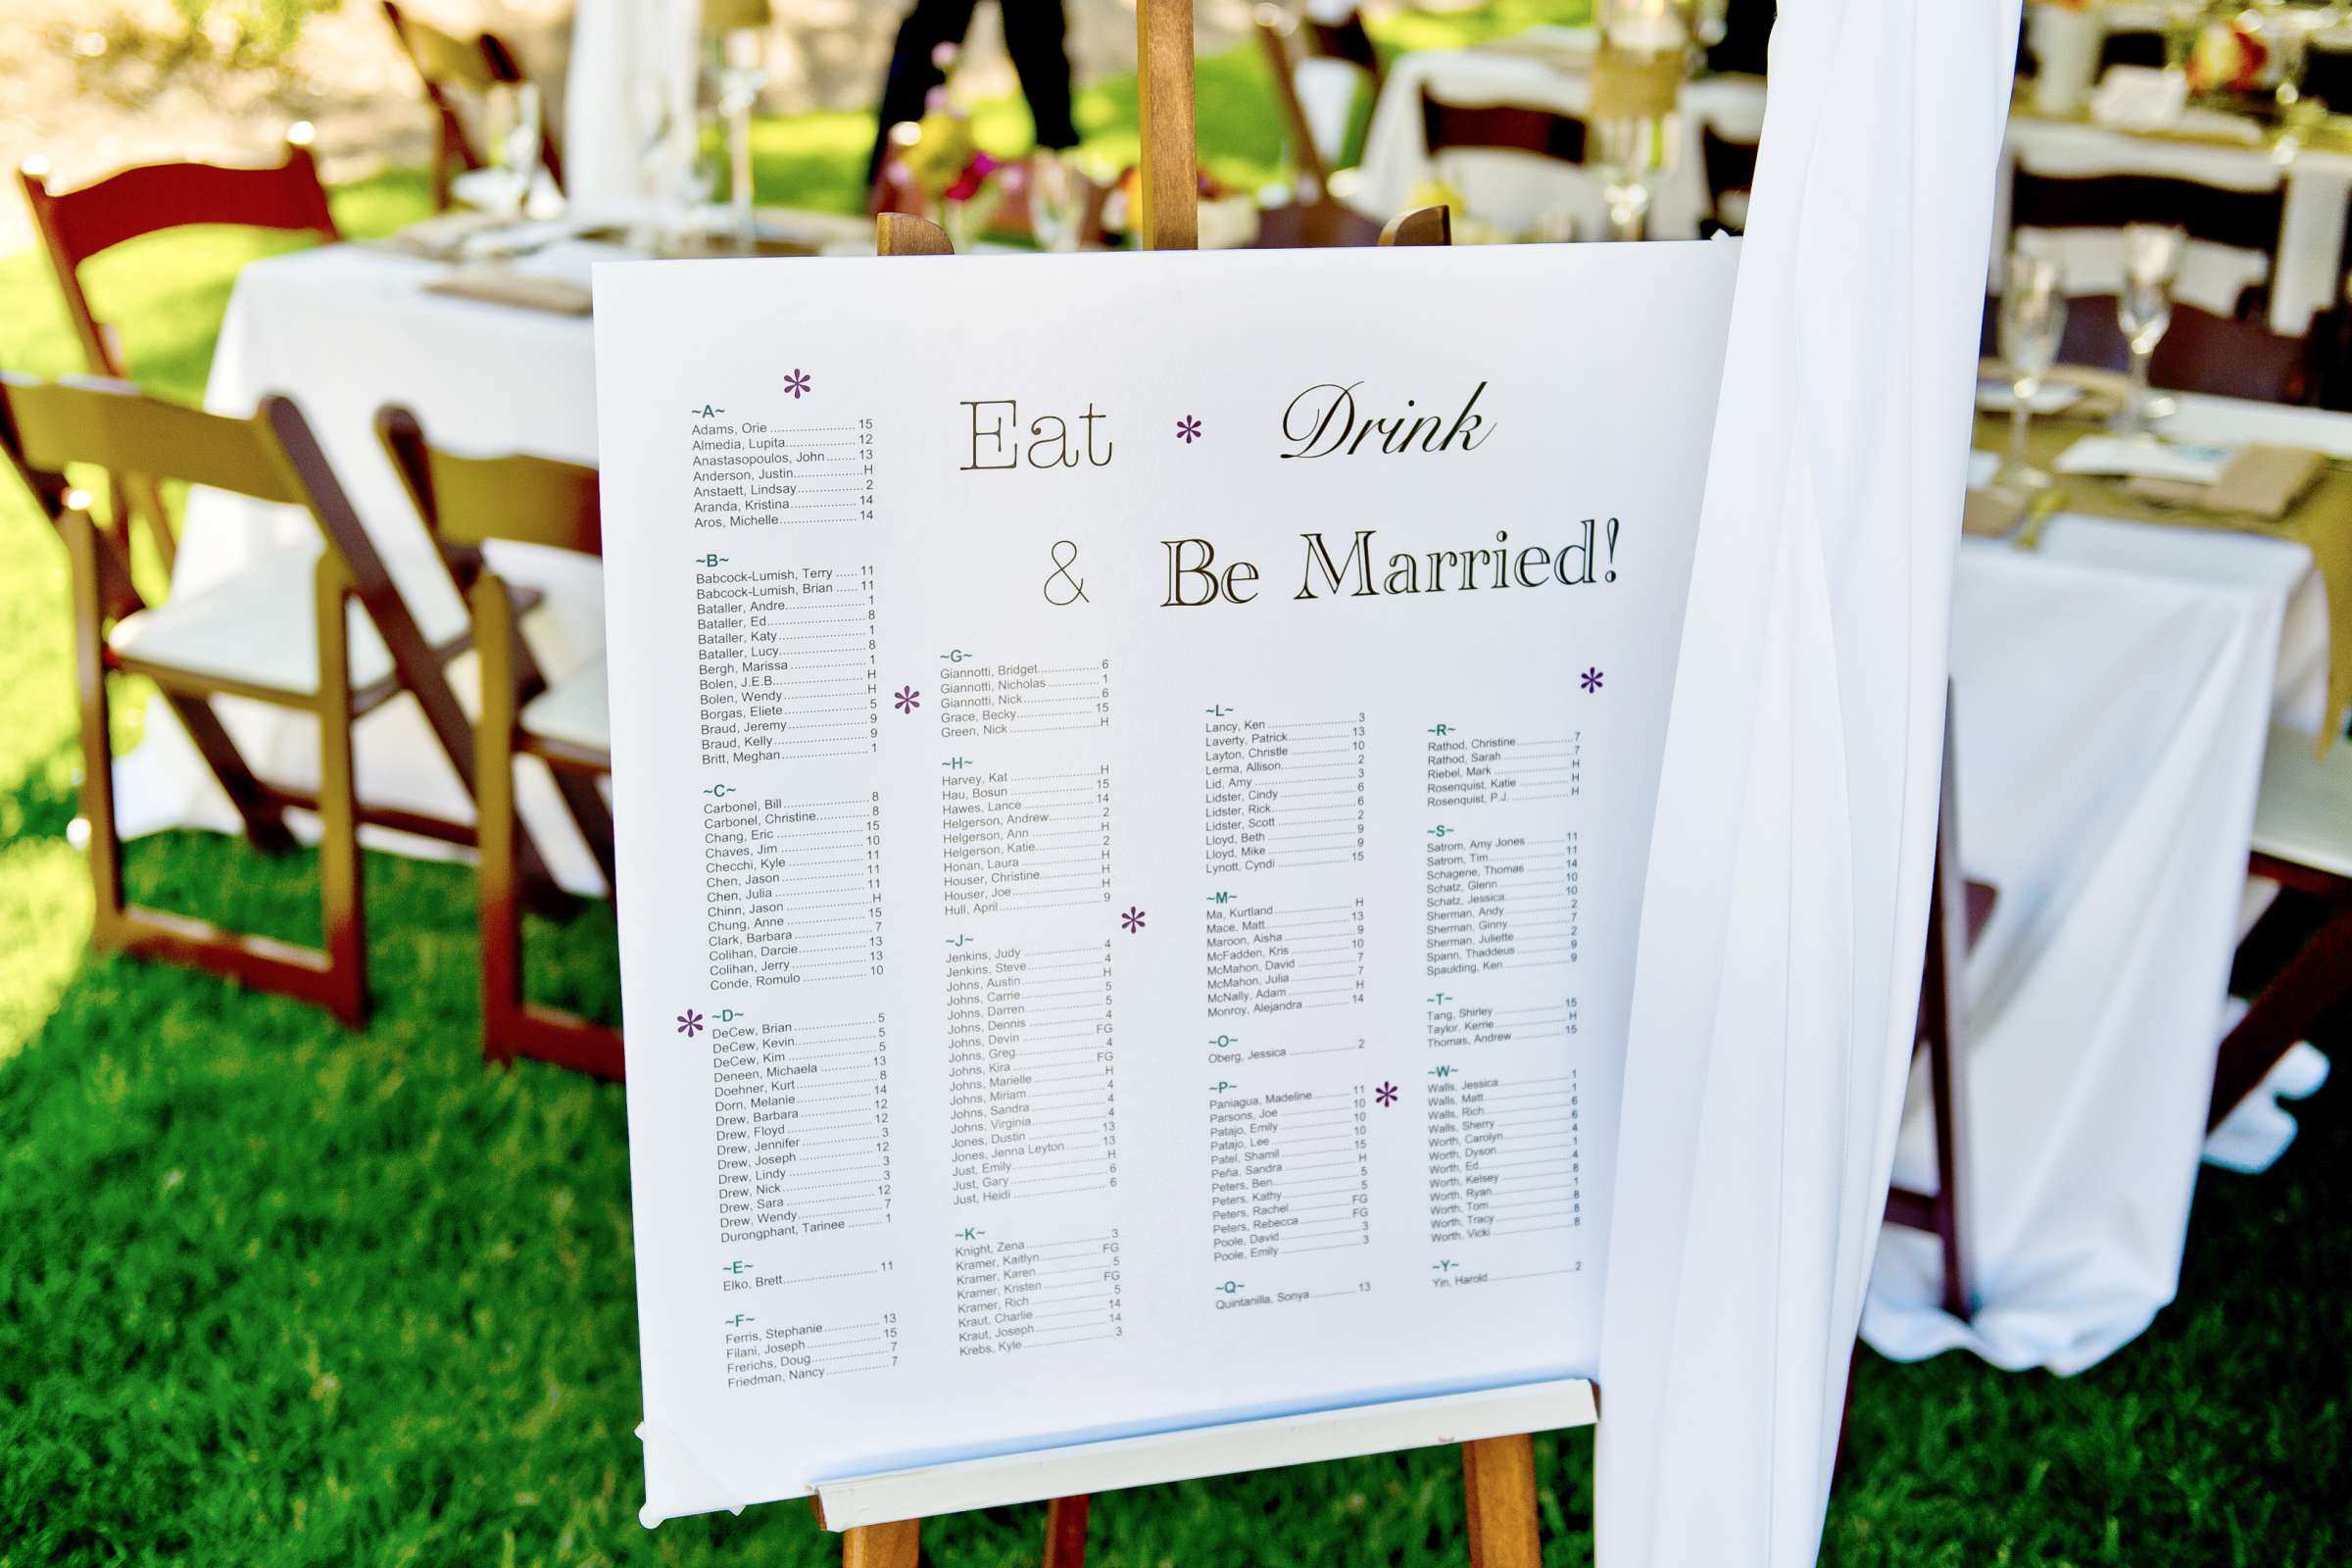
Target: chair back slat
{"x":448,"y":64}
{"x":1731,"y":167}
{"x":1302,"y":226}
{"x":78,"y":224}
{"x":2244,"y":220}
{"x":1504,"y":127}
{"x":1344,"y":39}
{"x":470,"y":501}
{"x":444,"y":60}
{"x":112,"y":425}
{"x":2201,"y":352}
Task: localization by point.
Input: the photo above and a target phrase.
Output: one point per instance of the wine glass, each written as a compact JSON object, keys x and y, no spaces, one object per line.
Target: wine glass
{"x":2143,"y":309}
{"x":737,"y":79}
{"x":511,"y":120}
{"x":2033,"y":320}
{"x":1056,"y":200}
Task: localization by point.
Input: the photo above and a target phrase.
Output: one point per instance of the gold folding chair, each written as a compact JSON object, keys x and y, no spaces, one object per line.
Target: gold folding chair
{"x":466,"y":503}
{"x":327,"y":635}
{"x":451,"y":68}
{"x":1289,"y":44}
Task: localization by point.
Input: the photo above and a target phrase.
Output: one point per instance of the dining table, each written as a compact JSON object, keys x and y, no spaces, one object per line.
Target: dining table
{"x":2116,"y":675}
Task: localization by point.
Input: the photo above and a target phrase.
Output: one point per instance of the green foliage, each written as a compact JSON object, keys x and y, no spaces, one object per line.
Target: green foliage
{"x":273,"y":1294}
{"x":248,"y":33}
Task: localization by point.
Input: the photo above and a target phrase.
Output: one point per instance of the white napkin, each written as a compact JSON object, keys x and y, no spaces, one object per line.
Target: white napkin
{"x":2140,"y":98}
{"x":1999,"y":397}
{"x":2119,"y":456}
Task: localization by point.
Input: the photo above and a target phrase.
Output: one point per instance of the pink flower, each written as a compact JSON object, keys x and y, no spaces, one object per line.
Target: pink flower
{"x":975,"y":174}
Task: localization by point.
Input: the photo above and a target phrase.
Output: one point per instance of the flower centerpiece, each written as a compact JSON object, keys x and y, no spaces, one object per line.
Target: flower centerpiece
{"x":935,"y":168}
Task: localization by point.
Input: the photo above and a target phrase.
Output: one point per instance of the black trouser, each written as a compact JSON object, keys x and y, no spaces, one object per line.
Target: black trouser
{"x":1033,"y":34}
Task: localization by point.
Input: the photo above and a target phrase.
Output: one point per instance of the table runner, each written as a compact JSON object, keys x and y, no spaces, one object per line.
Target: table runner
{"x":2322,"y":523}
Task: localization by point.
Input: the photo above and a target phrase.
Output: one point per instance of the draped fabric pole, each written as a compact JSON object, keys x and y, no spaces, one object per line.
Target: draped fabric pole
{"x":1170,"y":191}
{"x":1785,"y":909}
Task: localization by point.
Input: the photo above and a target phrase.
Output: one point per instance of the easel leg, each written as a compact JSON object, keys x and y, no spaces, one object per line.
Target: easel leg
{"x":1498,"y":1487}
{"x":1066,"y":1531}
{"x":891,"y":1545}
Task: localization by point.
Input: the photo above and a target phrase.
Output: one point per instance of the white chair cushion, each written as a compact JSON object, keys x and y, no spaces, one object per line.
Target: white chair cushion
{"x":259,"y":628}
{"x":2304,"y":815}
{"x":572,"y":711}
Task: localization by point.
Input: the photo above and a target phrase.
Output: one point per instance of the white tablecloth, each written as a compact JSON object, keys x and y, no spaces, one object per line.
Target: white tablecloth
{"x":343,"y":330}
{"x":1513,"y":189}
{"x":2113,"y":693}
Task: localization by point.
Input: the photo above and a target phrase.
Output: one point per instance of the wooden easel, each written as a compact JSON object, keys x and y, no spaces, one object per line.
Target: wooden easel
{"x":880,"y":1517}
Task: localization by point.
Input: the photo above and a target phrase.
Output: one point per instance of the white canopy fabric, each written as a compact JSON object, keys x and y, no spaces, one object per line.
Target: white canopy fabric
{"x":1785,"y":907}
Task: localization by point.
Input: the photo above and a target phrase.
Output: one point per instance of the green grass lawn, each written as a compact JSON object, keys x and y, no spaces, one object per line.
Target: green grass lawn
{"x":275,"y":1293}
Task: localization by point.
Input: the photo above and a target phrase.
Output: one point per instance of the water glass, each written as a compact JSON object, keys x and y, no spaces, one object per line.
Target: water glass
{"x":1056,"y":200}
{"x":2032,"y":321}
{"x":511,"y":126}
{"x":2143,"y":308}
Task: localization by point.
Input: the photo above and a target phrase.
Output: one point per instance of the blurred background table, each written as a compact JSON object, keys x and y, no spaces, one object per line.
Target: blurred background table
{"x":2114,"y":688}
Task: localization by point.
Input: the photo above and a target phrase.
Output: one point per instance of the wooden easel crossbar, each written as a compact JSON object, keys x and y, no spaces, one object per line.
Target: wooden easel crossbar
{"x":880,"y":1516}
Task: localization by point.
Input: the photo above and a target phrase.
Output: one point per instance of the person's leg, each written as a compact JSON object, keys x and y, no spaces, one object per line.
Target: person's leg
{"x":911,"y":75}
{"x":1032,"y":36}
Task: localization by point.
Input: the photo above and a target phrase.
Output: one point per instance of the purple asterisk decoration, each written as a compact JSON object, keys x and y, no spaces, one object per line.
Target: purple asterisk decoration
{"x":690,"y":1023}
{"x":1133,"y":921}
{"x":908,"y":700}
{"x":797,"y":382}
{"x":1187,"y":430}
{"x":1591,"y":680}
{"x":1386,"y":1094}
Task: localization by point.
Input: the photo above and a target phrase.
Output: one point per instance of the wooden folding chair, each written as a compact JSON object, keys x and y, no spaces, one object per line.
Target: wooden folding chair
{"x":1290,"y":47}
{"x":467,"y":502}
{"x":1731,"y":168}
{"x":328,"y":634}
{"x":2218,"y":215}
{"x":77,"y":224}
{"x":1956,"y":915}
{"x":2303,"y":841}
{"x":452,"y":68}
{"x":2201,"y":352}
{"x":1501,"y":128}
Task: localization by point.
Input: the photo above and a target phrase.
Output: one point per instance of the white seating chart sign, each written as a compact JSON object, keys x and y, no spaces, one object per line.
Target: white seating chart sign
{"x":1135,"y":777}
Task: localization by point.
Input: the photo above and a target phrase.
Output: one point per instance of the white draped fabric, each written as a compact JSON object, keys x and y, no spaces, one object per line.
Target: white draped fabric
{"x":1785,"y":907}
